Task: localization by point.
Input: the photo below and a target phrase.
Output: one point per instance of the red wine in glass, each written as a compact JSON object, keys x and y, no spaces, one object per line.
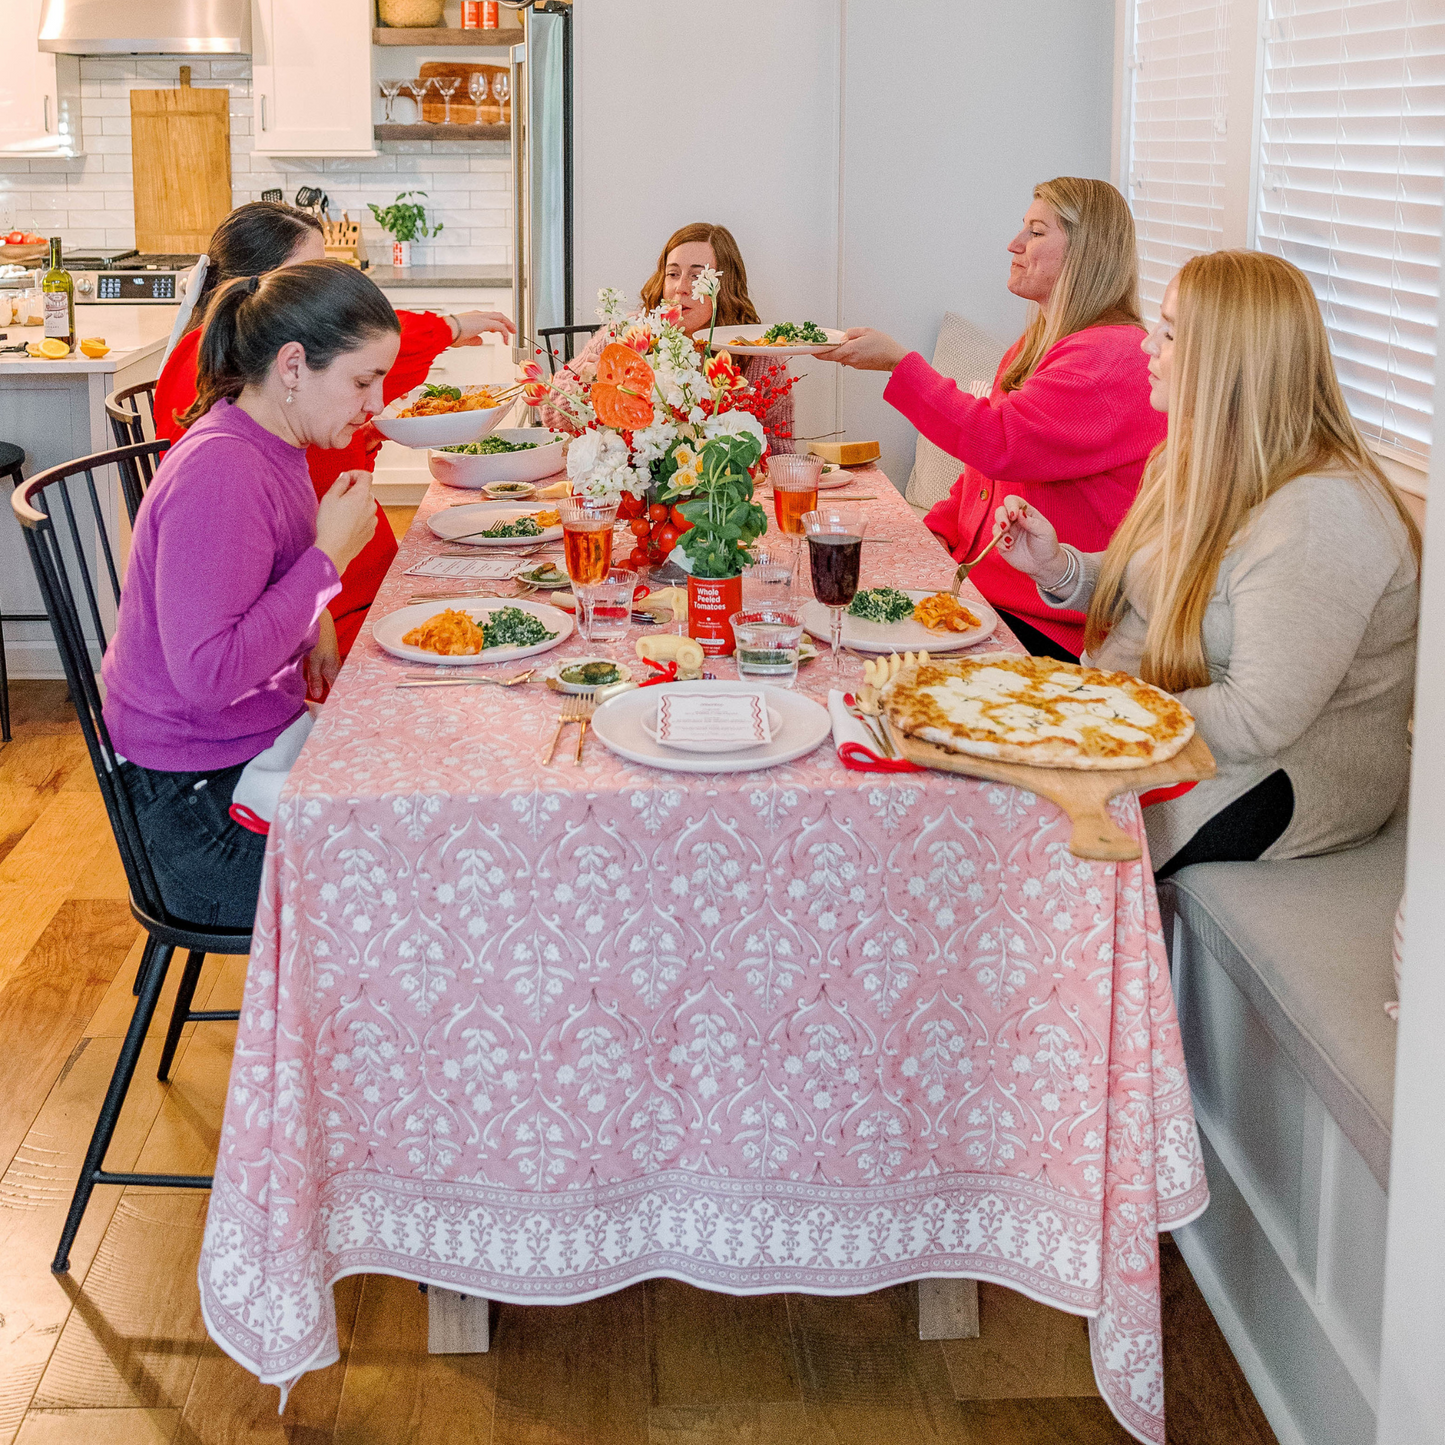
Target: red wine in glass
{"x":834,"y":560}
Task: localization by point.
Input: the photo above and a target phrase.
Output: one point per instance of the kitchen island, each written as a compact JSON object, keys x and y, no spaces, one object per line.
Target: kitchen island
{"x":55,"y":410}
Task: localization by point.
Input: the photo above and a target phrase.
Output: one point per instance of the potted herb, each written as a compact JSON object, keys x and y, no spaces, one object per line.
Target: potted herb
{"x":716,"y":481}
{"x":405,"y":222}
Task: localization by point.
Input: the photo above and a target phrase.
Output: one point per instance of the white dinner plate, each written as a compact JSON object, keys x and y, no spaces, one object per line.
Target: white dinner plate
{"x":543,"y":459}
{"x":834,"y":476}
{"x":452,"y":524}
{"x":450,"y":429}
{"x":649,"y":726}
{"x":906,"y":636}
{"x":726,"y":334}
{"x":618,"y":723}
{"x":395,"y":625}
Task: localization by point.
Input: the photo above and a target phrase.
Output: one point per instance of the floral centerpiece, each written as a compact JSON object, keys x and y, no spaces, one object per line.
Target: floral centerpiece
{"x":677,"y":434}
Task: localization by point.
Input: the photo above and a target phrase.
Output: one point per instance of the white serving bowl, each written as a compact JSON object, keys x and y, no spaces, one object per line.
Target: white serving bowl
{"x":544,"y":460}
{"x":450,"y":429}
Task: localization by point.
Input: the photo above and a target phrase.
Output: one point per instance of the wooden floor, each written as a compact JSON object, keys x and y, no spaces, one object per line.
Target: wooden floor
{"x":116,"y":1354}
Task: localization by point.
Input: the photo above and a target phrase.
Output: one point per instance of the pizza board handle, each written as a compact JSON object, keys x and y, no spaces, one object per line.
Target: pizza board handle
{"x":1096,"y":834}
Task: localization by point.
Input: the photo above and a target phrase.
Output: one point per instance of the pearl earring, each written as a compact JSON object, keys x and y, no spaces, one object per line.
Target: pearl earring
{"x":290,"y":397}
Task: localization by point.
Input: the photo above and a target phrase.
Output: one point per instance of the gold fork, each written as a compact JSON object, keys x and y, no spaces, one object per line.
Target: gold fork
{"x":964,"y":568}
{"x":572,"y":708}
{"x":589,"y":706}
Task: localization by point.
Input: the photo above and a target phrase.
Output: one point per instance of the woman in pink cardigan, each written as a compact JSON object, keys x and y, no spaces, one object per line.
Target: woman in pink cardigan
{"x":1067,"y":426}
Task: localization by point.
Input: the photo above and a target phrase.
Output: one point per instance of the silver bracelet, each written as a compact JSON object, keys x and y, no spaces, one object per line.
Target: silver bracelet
{"x":1062,"y":586}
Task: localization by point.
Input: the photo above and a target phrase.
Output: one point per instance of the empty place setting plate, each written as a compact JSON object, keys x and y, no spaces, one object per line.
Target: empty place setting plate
{"x":684,"y":738}
{"x":626,"y":725}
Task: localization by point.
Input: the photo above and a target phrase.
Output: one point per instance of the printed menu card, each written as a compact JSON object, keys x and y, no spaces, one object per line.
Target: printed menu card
{"x":713,"y":717}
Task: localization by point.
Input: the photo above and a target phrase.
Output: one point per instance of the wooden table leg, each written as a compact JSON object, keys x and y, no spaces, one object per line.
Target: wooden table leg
{"x":456,"y":1323}
{"x":948,"y":1309}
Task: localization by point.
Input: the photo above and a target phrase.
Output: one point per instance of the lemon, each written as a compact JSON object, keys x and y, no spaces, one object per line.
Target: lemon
{"x":94,"y":347}
{"x":54,"y":348}
{"x":32,"y":348}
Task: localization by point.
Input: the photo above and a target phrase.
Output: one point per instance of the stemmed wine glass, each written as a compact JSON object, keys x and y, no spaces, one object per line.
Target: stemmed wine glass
{"x":794,"y":480}
{"x":477,"y":86}
{"x":502,"y":88}
{"x":835,"y":550}
{"x":417,"y":89}
{"x":447,"y":87}
{"x":390,"y":88}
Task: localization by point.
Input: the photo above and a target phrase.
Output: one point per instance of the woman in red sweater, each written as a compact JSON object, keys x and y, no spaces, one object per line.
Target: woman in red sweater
{"x":263,"y":236}
{"x":1067,"y":426}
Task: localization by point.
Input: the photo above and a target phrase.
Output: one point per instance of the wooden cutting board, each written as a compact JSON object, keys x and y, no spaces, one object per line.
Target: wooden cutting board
{"x":464,"y":112}
{"x":181,"y":158}
{"x":1082,"y":795}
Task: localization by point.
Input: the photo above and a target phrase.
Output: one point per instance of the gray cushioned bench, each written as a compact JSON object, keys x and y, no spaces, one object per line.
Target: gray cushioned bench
{"x":1281,"y":972}
{"x":1308,"y":943}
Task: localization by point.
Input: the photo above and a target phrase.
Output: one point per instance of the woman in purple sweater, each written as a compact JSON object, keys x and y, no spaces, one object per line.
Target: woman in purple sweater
{"x":232,"y":564}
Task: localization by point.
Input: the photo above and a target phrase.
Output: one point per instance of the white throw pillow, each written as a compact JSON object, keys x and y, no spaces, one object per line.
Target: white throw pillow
{"x":971,"y":358}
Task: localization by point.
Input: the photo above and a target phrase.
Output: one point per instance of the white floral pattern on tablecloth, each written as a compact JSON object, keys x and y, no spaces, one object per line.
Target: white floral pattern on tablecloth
{"x":539,"y":1033}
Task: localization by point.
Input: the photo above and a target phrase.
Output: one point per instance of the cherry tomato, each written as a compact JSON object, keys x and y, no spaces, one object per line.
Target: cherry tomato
{"x":629,"y":507}
{"x":640,"y":527}
{"x":666,"y":537}
{"x":651,"y":550}
{"x":657,"y":512}
{"x":635,"y":558}
{"x":680,"y":522}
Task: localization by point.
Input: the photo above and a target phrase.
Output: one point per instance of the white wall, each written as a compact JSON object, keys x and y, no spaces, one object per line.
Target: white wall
{"x":723,"y":111}
{"x":953,"y":110}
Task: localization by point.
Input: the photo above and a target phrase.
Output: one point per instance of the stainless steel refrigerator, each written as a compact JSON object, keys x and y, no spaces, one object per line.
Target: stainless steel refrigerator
{"x":542,"y":175}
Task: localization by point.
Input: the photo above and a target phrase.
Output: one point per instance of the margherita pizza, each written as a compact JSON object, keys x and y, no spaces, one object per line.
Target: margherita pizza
{"x":1038,"y":711}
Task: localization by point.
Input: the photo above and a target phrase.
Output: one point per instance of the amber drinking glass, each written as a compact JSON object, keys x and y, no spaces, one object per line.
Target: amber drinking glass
{"x":587,"y":539}
{"x":794,"y":481}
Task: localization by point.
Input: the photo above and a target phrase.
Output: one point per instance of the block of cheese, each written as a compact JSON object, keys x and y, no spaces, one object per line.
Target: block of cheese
{"x":846,"y":454}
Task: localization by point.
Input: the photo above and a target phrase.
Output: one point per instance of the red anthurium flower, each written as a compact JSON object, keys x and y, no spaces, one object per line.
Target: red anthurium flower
{"x":622,"y":392}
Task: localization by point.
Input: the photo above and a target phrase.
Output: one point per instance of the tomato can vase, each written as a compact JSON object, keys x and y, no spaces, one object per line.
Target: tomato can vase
{"x":711,"y":602}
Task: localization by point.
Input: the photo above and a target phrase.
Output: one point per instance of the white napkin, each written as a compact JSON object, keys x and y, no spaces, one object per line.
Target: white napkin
{"x":856,"y":746}
{"x":258,"y":789}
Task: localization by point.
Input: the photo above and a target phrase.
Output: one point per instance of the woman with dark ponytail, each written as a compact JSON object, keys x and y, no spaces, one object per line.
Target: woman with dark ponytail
{"x":255,"y":239}
{"x":232,"y":565}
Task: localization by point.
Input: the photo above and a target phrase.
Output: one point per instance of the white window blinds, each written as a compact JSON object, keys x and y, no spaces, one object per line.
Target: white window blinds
{"x":1179,"y":67}
{"x":1352,"y":151}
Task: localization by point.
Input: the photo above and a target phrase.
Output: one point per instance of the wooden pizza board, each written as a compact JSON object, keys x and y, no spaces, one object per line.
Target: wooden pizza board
{"x":1082,"y":794}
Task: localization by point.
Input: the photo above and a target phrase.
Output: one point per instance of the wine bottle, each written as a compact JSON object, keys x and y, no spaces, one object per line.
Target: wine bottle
{"x":58,"y":297}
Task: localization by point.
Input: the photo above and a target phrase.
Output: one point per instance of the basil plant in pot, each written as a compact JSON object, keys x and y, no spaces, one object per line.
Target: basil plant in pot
{"x":405,"y":221}
{"x":716,"y":487}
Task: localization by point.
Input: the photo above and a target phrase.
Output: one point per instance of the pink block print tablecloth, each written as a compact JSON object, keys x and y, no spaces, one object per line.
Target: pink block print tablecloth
{"x":536,"y":1033}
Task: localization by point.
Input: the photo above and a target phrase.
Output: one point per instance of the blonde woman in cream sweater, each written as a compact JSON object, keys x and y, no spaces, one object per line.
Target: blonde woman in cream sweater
{"x":1267,"y":575}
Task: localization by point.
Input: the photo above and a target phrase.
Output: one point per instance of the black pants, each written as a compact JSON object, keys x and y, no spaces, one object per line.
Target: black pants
{"x":1243,"y":830}
{"x":1039,"y":644}
{"x":207,"y":865}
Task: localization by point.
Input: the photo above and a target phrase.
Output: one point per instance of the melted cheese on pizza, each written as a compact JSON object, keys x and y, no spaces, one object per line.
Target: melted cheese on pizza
{"x":1008,"y":706}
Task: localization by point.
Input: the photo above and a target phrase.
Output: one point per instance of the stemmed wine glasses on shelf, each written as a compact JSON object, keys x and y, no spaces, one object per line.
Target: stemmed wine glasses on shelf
{"x":417,"y":89}
{"x":502,"y":88}
{"x":446,"y":88}
{"x":477,"y":86}
{"x":389,"y":89}
{"x":835,"y":550}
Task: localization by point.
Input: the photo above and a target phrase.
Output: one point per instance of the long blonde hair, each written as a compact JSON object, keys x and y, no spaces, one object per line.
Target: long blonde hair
{"x":1099,"y":283}
{"x":1255,"y":403}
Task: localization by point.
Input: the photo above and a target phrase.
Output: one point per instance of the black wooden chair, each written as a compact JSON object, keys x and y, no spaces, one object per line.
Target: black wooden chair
{"x":132,"y":414}
{"x":12,"y":459}
{"x":63,"y":547}
{"x":568,"y":350}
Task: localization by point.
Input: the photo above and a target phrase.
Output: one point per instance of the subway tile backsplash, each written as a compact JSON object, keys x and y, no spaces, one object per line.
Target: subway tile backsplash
{"x":88,"y":200}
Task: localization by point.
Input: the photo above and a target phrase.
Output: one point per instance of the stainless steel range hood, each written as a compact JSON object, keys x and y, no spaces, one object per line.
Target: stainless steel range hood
{"x":146,"y":27}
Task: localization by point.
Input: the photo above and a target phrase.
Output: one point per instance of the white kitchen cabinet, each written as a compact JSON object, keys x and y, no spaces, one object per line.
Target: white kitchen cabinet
{"x":39,"y":100}
{"x":311,"y":77}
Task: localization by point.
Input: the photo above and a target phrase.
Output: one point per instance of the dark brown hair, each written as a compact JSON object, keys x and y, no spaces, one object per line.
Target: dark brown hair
{"x":328,"y":306}
{"x":252,"y":240}
{"x":734,"y":306}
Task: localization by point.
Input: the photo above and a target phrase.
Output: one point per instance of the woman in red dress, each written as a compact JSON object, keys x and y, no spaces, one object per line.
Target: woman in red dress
{"x":263,"y":236}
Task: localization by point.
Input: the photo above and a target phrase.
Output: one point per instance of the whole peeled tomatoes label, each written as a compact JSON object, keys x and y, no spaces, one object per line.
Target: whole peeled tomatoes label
{"x":711,"y":603}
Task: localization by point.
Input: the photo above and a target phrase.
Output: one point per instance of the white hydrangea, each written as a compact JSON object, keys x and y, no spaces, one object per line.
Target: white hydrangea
{"x":598,"y":465}
{"x":733,"y":423}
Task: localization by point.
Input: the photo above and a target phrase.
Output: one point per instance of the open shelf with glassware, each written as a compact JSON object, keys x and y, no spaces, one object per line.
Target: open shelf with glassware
{"x":435,"y":130}
{"x":443,"y":35}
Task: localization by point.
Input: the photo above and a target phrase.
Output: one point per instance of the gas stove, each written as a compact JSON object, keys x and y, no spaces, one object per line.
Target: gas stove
{"x":104,"y":276}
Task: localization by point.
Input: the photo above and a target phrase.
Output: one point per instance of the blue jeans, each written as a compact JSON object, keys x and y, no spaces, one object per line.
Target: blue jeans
{"x":207,"y":865}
